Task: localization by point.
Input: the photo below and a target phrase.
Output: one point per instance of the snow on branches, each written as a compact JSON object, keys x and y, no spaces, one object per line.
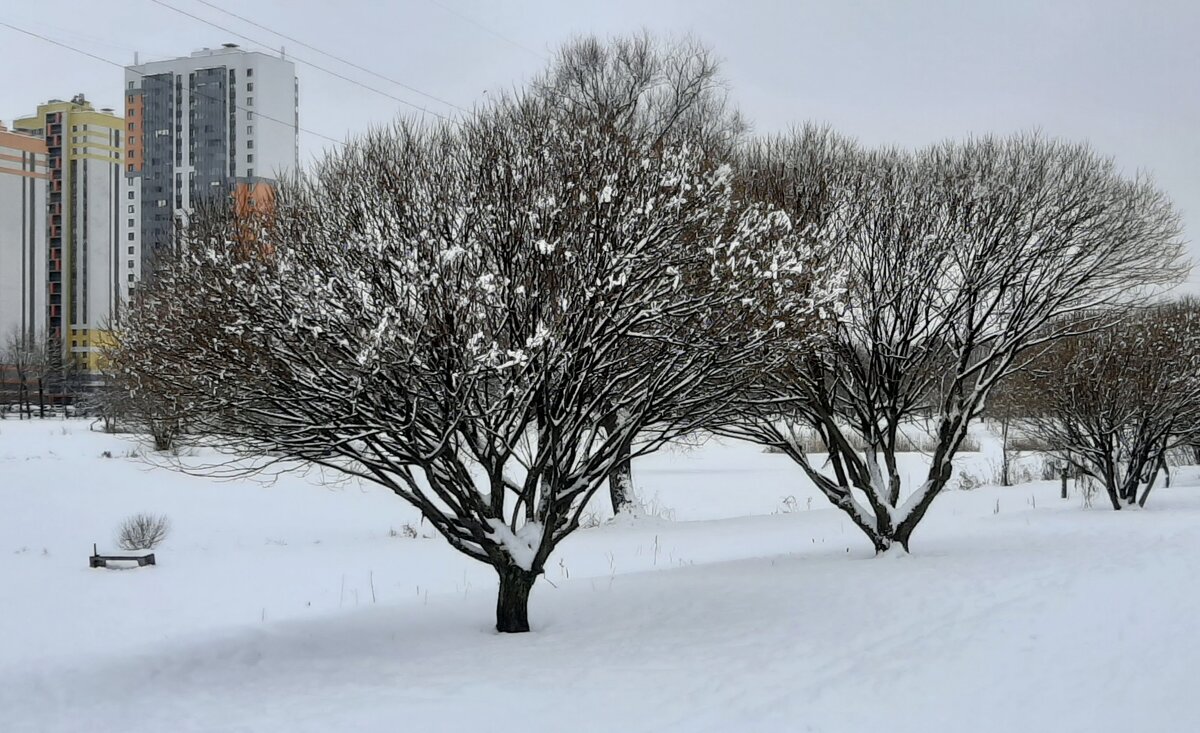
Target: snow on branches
{"x":481,"y":317}
{"x":1115,"y":397}
{"x":956,"y":261}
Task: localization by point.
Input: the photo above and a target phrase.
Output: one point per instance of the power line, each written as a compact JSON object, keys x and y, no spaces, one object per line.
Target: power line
{"x":197,"y":92}
{"x":486,"y":29}
{"x":220,"y":27}
{"x":335,"y":57}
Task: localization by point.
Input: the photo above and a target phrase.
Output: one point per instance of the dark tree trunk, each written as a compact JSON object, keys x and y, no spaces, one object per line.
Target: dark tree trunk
{"x":883,"y":544}
{"x":512,"y":602}
{"x":41,"y":398}
{"x":620,"y":481}
{"x":1005,"y":459}
{"x":905,"y":529}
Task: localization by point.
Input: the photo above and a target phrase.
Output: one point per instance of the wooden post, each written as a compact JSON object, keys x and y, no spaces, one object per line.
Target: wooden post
{"x":1064,"y":482}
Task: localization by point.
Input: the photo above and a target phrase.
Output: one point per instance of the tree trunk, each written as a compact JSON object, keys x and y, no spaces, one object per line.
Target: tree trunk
{"x":512,"y":602}
{"x":41,"y":398}
{"x":1004,"y":455}
{"x":620,"y":481}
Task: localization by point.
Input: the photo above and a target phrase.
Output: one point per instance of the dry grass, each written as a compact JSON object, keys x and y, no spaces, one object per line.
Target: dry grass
{"x":811,"y":442}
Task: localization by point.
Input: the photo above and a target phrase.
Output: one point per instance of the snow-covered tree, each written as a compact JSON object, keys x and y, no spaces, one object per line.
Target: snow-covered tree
{"x":659,"y":93}
{"x":957,"y":260}
{"x":456,"y":312}
{"x":1112,"y":401}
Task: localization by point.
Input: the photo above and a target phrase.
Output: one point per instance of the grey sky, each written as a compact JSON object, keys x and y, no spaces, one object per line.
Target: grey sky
{"x":1123,"y":75}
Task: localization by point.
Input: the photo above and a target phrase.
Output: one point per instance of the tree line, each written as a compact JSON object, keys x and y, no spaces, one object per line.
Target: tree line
{"x":492,"y":317}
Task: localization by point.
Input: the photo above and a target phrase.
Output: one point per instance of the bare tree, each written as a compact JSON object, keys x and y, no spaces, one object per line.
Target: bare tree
{"x":1111,"y":402}
{"x":1007,"y":405}
{"x":448,"y":311}
{"x":958,"y":260}
{"x":134,"y":393}
{"x":660,"y":93}
{"x":30,"y":358}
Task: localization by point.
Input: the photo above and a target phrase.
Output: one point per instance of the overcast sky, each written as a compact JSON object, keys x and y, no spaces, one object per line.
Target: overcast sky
{"x":1123,"y":75}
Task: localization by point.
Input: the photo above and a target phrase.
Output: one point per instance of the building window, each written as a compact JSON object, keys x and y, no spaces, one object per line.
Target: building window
{"x":131,"y":111}
{"x":131,"y":99}
{"x":129,"y":195}
{"x":131,"y":250}
{"x":249,"y":101}
{"x":250,"y":173}
{"x":130,"y":168}
{"x":250,"y":144}
{"x":131,"y":277}
{"x":130,"y":236}
{"x":131,"y":85}
{"x":130,"y":128}
{"x":131,"y":264}
{"x":249,"y":114}
{"x":249,"y":129}
{"x":250,"y":158}
{"x":131,"y":220}
{"x":249,"y":72}
{"x":250,"y":87}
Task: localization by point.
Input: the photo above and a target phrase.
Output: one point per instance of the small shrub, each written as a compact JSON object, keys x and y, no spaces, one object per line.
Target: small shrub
{"x":143,"y":531}
{"x":590,"y":520}
{"x":968,"y":481}
{"x":406,"y":531}
{"x":1028,"y":444}
{"x":106,"y":454}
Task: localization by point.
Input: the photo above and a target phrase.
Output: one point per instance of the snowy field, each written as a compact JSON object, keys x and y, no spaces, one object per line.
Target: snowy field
{"x":742,"y":606}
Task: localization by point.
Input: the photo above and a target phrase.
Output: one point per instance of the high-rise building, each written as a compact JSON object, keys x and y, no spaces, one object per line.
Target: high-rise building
{"x":221,"y":122}
{"x":23,"y":258}
{"x":84,"y":268}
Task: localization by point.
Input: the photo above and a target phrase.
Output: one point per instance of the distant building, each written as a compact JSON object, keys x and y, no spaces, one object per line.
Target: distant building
{"x":84,"y":267}
{"x":220,"y":122}
{"x":24,"y":178}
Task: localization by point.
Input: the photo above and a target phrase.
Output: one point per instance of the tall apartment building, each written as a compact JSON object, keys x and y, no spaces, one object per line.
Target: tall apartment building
{"x":83,"y":264}
{"x":220,"y":122}
{"x":24,"y":178}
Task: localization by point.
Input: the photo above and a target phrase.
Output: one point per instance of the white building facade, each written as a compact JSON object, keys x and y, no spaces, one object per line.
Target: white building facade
{"x":213,"y":123}
{"x":24,"y":175}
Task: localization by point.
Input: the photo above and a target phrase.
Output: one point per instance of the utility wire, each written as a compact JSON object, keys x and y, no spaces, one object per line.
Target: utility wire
{"x":197,"y":93}
{"x":220,"y":27}
{"x":486,"y":29}
{"x":335,"y":57}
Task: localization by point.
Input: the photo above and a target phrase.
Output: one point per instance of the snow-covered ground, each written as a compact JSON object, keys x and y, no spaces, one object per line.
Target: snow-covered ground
{"x":296,"y":606}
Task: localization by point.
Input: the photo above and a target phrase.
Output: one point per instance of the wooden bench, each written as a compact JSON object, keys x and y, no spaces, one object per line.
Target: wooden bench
{"x":101,"y":561}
